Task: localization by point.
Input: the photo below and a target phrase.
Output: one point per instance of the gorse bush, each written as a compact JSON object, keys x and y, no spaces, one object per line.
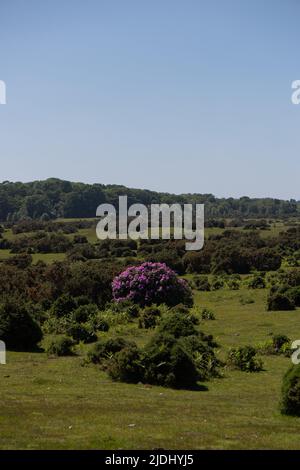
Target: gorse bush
{"x":201,"y":283}
{"x":278,"y":301}
{"x":82,"y":332}
{"x":103,"y":350}
{"x":290,"y":394}
{"x":59,"y":345}
{"x":207,"y":314}
{"x":149,"y":317}
{"x":244,"y":358}
{"x":278,"y":344}
{"x":18,"y":329}
{"x":151,"y":283}
{"x":83,"y":313}
{"x":256,"y":282}
{"x":126,"y":365}
{"x":63,"y":306}
{"x":177,"y":355}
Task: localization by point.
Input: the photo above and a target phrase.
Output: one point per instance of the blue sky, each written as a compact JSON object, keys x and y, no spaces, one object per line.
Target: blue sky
{"x":178,"y":96}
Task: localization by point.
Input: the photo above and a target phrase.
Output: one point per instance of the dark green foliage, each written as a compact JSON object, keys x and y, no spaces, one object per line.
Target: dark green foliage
{"x":59,"y":345}
{"x":217,"y":283}
{"x":178,"y":362}
{"x":18,"y":329}
{"x":278,"y":344}
{"x":201,"y":283}
{"x":178,"y":355}
{"x":98,"y":323}
{"x":83,"y":313}
{"x":207,"y":314}
{"x":169,"y":359}
{"x":257,"y":282}
{"x":21,"y":261}
{"x":82,"y":332}
{"x":126,"y":365}
{"x":126,"y":306}
{"x":63,"y":306}
{"x":244,"y":358}
{"x":169,"y":362}
{"x":149,"y":317}
{"x":290,"y":394}
{"x":293,"y":293}
{"x":279,"y":301}
{"x":106,"y":349}
{"x":177,"y":324}
{"x":58,"y":198}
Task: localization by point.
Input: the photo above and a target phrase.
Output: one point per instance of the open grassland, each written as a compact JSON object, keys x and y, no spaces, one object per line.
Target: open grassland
{"x":58,"y":403}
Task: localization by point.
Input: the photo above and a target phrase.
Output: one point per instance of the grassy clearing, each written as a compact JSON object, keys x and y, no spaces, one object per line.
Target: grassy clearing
{"x":59,"y":404}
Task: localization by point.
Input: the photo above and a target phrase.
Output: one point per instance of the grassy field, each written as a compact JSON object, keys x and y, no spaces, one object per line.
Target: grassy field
{"x":57,"y":403}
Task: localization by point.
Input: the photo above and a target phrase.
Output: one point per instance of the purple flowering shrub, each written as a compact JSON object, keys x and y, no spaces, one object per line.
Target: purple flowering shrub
{"x":151,"y":283}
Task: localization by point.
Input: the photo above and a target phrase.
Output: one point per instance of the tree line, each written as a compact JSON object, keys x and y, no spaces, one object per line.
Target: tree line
{"x":54,"y":198}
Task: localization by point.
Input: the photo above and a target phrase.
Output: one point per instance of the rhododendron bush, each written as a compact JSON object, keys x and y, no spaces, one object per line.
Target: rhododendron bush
{"x":151,"y":283}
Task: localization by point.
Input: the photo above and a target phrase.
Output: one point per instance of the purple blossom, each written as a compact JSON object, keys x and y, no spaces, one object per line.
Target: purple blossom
{"x":151,"y":283}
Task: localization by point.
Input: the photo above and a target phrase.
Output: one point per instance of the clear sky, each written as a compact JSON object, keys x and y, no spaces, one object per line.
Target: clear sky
{"x":169,"y":95}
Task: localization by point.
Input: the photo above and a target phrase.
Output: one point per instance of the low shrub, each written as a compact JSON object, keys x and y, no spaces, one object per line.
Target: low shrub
{"x":278,"y":344}
{"x":256,"y":282}
{"x":177,"y":324}
{"x":207,"y":314}
{"x":99,"y":323}
{"x":18,"y":329}
{"x":177,"y":355}
{"x":290,"y":393}
{"x":217,"y":283}
{"x":82,"y":332}
{"x":126,"y":365}
{"x":293,"y":293}
{"x":149,"y":317}
{"x":60,"y":345}
{"x":244,"y":358}
{"x":233,"y":284}
{"x":56,"y":326}
{"x":278,"y":301}
{"x":83,"y":313}
{"x":201,"y":283}
{"x":63,"y":306}
{"x":106,"y":349}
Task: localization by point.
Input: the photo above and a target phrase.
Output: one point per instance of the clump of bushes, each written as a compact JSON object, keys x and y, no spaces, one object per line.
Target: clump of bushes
{"x":151,"y":283}
{"x":290,"y":394}
{"x":278,"y":344}
{"x":207,"y":314}
{"x":125,"y":306}
{"x":279,"y":301}
{"x":84,"y":312}
{"x":257,"y":282}
{"x":126,"y":365}
{"x":60,"y":345}
{"x":201,"y":283}
{"x":103,"y":350}
{"x":217,"y":283}
{"x":18,"y":329}
{"x":82,"y":332}
{"x":233,"y":284}
{"x":177,"y":356}
{"x":149,"y":317}
{"x":244,"y":358}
